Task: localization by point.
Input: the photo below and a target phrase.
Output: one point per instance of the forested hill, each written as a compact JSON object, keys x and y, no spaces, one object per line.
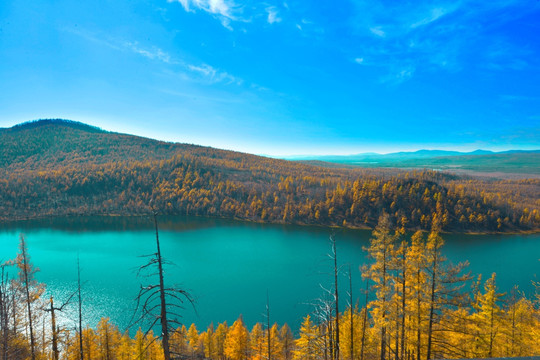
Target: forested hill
{"x":59,"y":167}
{"x":47,"y":144}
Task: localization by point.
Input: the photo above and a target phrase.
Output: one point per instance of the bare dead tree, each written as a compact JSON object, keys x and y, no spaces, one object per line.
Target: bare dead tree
{"x":55,"y":330}
{"x":364,"y":321}
{"x":327,"y":309}
{"x":351,"y":324}
{"x":27,"y":281}
{"x":81,"y":351}
{"x":324,"y":313}
{"x":14,"y":309}
{"x":268,"y":325}
{"x":5,"y":306}
{"x":336,"y":296}
{"x":158,"y":303}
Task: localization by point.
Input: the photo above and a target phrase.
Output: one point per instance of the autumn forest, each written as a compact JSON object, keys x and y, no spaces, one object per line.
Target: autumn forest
{"x":58,"y":168}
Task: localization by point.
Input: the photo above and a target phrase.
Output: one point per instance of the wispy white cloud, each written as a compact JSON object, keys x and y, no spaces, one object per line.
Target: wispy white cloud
{"x":200,"y":73}
{"x":434,"y":35}
{"x":229,"y":12}
{"x":224,"y":10}
{"x":213,"y":75}
{"x":434,"y":15}
{"x":260,"y":88}
{"x":310,"y":29}
{"x":216,"y":7}
{"x":273,"y":15}
{"x":204,"y":69}
{"x":378,"y":31}
{"x":153,"y":53}
{"x":394,"y":21}
{"x":149,"y":51}
{"x":203,"y":98}
{"x":398,"y":76}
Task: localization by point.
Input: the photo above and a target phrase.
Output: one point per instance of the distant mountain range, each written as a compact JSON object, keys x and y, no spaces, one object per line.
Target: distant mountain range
{"x":511,"y":161}
{"x":419,"y":154}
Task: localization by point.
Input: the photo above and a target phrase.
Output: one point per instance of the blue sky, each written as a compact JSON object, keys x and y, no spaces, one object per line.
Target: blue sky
{"x":280,"y":77}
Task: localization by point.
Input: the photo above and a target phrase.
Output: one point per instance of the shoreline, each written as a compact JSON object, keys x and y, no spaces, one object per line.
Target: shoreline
{"x":255,"y":221}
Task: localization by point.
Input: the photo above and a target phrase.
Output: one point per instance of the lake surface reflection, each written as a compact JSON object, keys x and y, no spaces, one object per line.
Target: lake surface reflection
{"x":228,"y":266}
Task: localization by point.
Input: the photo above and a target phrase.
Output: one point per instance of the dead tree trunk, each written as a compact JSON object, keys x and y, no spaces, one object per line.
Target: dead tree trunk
{"x":364,"y":322}
{"x":164,"y":324}
{"x":54,"y":328}
{"x":26,"y":272}
{"x":81,"y":352}
{"x":336,"y":296}
{"x":157,"y":302}
{"x":418,"y":316}
{"x":54,"y":334}
{"x":434,"y":274}
{"x":268,"y":325}
{"x":4,"y":312}
{"x":351,"y":324}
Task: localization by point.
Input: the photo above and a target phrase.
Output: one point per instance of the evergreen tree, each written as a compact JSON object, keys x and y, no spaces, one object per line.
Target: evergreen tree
{"x":257,"y":342}
{"x":488,"y":319}
{"x":307,"y":345}
{"x":379,"y":272}
{"x":237,"y":341}
{"x":287,"y":340}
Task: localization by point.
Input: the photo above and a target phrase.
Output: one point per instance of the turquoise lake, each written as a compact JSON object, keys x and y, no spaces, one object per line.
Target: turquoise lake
{"x":228,"y":266}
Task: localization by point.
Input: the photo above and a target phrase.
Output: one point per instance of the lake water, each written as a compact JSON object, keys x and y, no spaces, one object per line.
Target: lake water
{"x":228,"y":266}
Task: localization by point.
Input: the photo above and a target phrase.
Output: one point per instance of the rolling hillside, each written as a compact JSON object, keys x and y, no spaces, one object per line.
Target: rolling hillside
{"x":59,"y":167}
